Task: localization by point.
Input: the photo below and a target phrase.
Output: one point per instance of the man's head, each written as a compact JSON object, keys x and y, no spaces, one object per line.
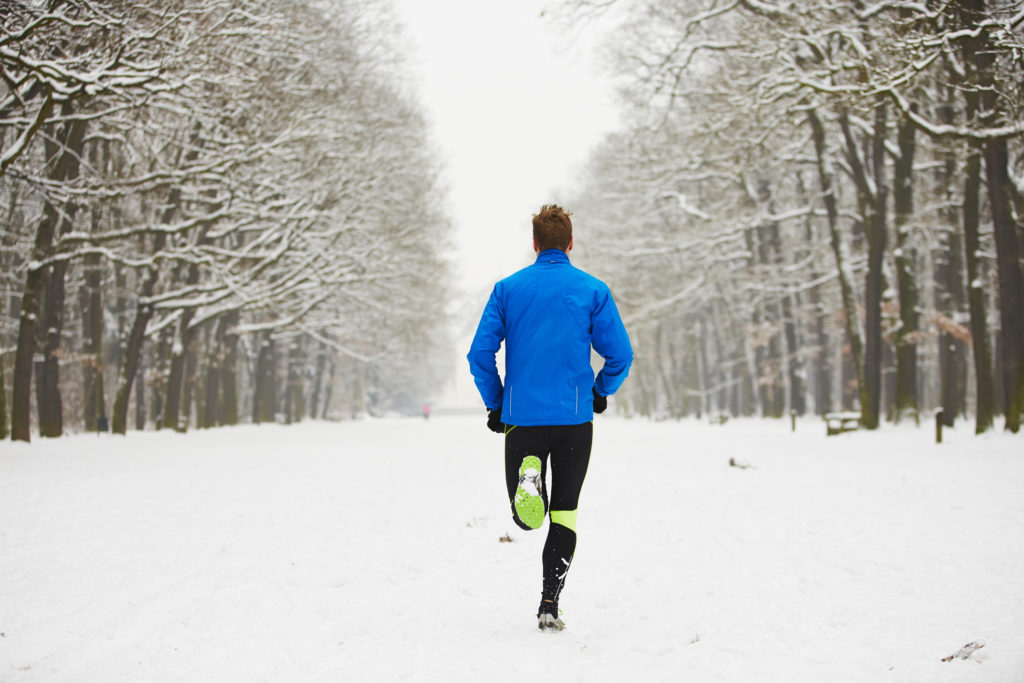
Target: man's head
{"x":552,"y":229}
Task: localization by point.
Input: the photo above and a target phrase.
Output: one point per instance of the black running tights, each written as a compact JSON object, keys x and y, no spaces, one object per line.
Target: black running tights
{"x":566,"y":449}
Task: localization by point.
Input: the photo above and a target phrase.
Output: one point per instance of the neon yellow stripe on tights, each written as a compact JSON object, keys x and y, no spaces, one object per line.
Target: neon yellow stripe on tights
{"x":566,"y":518}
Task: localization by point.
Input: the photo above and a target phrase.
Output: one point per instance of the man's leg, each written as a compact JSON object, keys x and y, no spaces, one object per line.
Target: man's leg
{"x":570,"y":456}
{"x":522,"y":443}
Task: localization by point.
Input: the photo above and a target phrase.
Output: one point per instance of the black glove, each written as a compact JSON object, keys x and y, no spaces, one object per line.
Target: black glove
{"x":494,"y":422}
{"x":600,"y":402}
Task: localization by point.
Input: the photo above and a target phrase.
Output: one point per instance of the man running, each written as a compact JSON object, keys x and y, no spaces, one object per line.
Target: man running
{"x":549,"y":315}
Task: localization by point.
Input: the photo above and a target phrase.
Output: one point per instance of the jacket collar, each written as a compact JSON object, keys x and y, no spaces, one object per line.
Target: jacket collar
{"x":552,"y":256}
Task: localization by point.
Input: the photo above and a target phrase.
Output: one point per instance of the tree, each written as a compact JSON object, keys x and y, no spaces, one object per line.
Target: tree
{"x":733,"y":89}
{"x":255,"y":172}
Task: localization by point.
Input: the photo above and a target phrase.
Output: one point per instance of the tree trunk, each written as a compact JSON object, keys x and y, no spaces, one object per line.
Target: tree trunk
{"x":291,"y":383}
{"x":329,"y":391}
{"x":229,"y":374}
{"x":983,"y":106}
{"x":819,"y":381}
{"x":189,"y":390}
{"x":48,"y":399}
{"x":133,"y":350}
{"x":265,"y":396}
{"x":143,"y":313}
{"x":873,"y":286}
{"x":140,"y":397}
{"x":213,"y":407}
{"x":702,"y":370}
{"x":905,"y":399}
{"x":950,"y":297}
{"x":144,"y":310}
{"x":789,"y":361}
{"x":4,"y":431}
{"x":985,"y":410}
{"x":873,"y":197}
{"x":90,"y":300}
{"x":176,"y":376}
{"x":318,"y":382}
{"x":851,"y":318}
{"x":1011,"y":280}
{"x":176,"y":372}
{"x":65,"y":147}
{"x":981,"y":55}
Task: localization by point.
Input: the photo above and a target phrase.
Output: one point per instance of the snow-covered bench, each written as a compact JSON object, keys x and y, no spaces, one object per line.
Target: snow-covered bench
{"x":837,"y":423}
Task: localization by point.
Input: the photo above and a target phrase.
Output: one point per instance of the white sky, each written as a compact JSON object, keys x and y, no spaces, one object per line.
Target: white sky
{"x":515,"y":107}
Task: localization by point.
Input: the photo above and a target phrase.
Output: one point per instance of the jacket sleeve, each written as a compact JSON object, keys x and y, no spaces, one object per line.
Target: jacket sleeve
{"x":610,"y":339}
{"x":486,"y":343}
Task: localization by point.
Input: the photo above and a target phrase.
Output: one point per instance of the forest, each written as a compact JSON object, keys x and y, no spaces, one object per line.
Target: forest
{"x":225,"y":211}
{"x":814,"y":206}
{"x":213,"y":211}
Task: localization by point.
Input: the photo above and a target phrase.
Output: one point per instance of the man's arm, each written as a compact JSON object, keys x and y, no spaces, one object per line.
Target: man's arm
{"x":490,"y":332}
{"x":610,"y":339}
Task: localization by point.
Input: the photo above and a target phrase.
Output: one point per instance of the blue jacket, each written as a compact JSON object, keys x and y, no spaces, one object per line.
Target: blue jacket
{"x":549,"y":315}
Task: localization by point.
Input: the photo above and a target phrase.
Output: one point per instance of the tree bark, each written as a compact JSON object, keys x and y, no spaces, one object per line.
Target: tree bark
{"x":189,"y":389}
{"x":133,"y":351}
{"x":291,"y":380}
{"x":64,"y":147}
{"x":143,"y":314}
{"x":329,"y":390}
{"x":176,"y":372}
{"x":229,"y":374}
{"x":951,"y":299}
{"x":905,"y":399}
{"x":1005,"y":230}
{"x":90,"y":301}
{"x":215,"y":358}
{"x":985,"y":106}
{"x":819,"y":383}
{"x":876,"y":234}
{"x":851,"y":318}
{"x":179,"y":353}
{"x":318,"y":382}
{"x":790,"y":362}
{"x":140,"y":397}
{"x":985,"y":410}
{"x":1011,"y":281}
{"x":985,"y":386}
{"x":871,"y":197}
{"x":48,"y":401}
{"x":265,"y":396}
{"x":4,"y":431}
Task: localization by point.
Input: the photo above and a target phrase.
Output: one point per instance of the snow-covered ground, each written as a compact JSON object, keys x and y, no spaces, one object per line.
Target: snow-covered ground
{"x":369,"y":551}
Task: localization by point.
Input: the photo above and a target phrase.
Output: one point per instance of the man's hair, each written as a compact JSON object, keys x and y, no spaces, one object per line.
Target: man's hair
{"x":552,"y":228}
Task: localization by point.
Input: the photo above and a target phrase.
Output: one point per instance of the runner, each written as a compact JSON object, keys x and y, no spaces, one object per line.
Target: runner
{"x":549,"y":315}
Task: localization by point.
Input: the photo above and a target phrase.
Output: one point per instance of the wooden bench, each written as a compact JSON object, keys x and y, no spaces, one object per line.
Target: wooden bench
{"x":837,"y":423}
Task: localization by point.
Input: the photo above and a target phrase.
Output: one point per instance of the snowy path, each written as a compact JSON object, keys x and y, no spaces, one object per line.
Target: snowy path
{"x":369,"y":552}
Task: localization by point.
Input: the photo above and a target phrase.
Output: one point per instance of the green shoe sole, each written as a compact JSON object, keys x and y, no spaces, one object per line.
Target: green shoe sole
{"x":529,"y":502}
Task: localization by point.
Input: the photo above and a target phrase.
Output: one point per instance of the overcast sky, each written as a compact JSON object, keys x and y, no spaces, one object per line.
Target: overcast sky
{"x":515,"y":108}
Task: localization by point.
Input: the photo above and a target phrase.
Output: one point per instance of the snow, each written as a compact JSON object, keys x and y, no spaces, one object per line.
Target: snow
{"x":370,"y":551}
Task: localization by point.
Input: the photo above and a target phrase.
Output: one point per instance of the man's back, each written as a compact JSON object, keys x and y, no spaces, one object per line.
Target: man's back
{"x":549,"y":314}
